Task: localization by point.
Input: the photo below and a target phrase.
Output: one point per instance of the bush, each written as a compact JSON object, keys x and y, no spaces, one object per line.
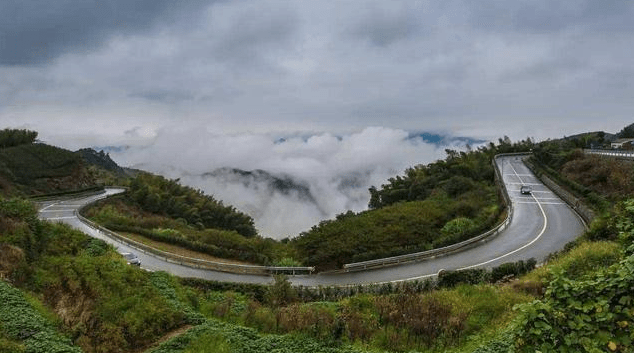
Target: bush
{"x":449,"y":279}
{"x":513,"y":269}
{"x":588,"y":315}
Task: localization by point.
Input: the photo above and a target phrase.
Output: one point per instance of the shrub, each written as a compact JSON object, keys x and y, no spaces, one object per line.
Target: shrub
{"x":449,"y":279}
{"x":514,"y":269}
{"x":589,"y":315}
{"x":458,"y":225}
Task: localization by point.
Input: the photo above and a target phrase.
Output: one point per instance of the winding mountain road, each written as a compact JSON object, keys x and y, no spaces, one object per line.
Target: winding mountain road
{"x":542,"y":223}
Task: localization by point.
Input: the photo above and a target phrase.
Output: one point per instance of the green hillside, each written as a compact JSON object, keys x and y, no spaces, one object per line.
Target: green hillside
{"x":61,"y":291}
{"x":31,"y":168}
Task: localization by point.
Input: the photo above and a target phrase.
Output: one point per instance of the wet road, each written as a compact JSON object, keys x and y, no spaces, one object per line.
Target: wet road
{"x":542,"y":223}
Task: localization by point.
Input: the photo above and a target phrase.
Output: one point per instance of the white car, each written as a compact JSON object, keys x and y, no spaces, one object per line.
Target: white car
{"x":131,"y":258}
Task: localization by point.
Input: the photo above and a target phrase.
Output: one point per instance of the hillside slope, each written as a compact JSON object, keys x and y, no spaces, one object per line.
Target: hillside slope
{"x":36,"y":168}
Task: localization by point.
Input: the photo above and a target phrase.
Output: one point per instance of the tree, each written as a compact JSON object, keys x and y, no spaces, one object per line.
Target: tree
{"x":281,"y":292}
{"x":627,"y":132}
{"x":16,"y":137}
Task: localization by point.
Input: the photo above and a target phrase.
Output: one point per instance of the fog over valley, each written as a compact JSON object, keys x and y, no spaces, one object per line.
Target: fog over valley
{"x":290,"y":183}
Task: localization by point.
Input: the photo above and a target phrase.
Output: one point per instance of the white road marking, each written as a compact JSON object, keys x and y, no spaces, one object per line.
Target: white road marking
{"x":501,"y":256}
{"x":543,"y":203}
{"x":49,"y":206}
{"x":521,"y":248}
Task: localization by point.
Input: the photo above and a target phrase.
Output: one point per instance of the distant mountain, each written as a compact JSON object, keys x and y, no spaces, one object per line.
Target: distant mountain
{"x":284,"y":184}
{"x":428,"y":137}
{"x":111,"y":149}
{"x":444,"y":140}
{"x":100,"y":159}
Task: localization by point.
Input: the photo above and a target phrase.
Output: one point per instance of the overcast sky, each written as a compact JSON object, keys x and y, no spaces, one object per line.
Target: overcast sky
{"x":87,"y":72}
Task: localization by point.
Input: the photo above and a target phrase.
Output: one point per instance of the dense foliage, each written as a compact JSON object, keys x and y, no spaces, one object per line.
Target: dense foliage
{"x":398,"y":229}
{"x":20,"y":321}
{"x":591,"y":313}
{"x":123,"y":215}
{"x":94,"y":300}
{"x":459,"y":173}
{"x":16,"y":137}
{"x":400,"y":321}
{"x":38,"y":168}
{"x":431,"y":206}
{"x":160,"y":195}
{"x":104,"y":304}
{"x":627,"y":132}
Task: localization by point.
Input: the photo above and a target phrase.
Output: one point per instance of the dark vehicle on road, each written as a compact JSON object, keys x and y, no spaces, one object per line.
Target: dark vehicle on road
{"x":525,"y":190}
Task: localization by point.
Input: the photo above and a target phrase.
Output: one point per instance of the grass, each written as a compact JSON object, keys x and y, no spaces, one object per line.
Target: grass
{"x":580,"y":261}
{"x":178,"y":250}
{"x":210,"y":342}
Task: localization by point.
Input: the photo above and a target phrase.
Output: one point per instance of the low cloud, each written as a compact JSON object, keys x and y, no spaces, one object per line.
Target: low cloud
{"x":287,"y":183}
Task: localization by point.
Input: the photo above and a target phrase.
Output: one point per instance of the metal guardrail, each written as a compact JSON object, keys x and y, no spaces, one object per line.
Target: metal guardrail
{"x":194,"y":262}
{"x":357,"y":266}
{"x":611,"y":153}
{"x":586,"y":213}
{"x":430,"y":254}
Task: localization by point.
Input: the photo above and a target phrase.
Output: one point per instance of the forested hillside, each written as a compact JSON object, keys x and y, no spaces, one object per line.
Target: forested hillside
{"x":31,"y":168}
{"x":61,"y":291}
{"x":165,"y":211}
{"x":430,"y":206}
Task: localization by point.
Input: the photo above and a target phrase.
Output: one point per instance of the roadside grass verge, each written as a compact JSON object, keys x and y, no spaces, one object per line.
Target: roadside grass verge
{"x":459,"y":317}
{"x":178,"y":250}
{"x":582,"y":260}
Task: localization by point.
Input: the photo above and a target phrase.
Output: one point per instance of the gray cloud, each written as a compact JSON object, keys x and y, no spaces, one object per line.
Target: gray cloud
{"x":289,"y":184}
{"x":489,"y":68}
{"x":193,"y":86}
{"x":542,"y":16}
{"x":38,"y":31}
{"x":385,"y":23}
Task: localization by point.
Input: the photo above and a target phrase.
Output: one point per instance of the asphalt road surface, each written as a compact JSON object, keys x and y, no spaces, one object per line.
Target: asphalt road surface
{"x":542,"y":223}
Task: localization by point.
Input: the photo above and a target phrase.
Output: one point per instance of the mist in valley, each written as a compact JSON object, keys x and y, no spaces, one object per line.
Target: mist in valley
{"x":286,"y":183}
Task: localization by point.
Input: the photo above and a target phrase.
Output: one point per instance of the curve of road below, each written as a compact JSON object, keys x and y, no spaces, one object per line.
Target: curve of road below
{"x":542,"y":223}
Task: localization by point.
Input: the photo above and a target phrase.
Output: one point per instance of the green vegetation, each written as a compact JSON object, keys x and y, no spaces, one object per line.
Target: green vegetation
{"x":103,"y":304}
{"x":431,"y":206}
{"x":34,"y":168}
{"x":159,"y":195}
{"x":123,"y":214}
{"x":20,"y":321}
{"x":16,"y":137}
{"x":588,"y":304}
{"x":63,"y":291}
{"x":83,"y":295}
